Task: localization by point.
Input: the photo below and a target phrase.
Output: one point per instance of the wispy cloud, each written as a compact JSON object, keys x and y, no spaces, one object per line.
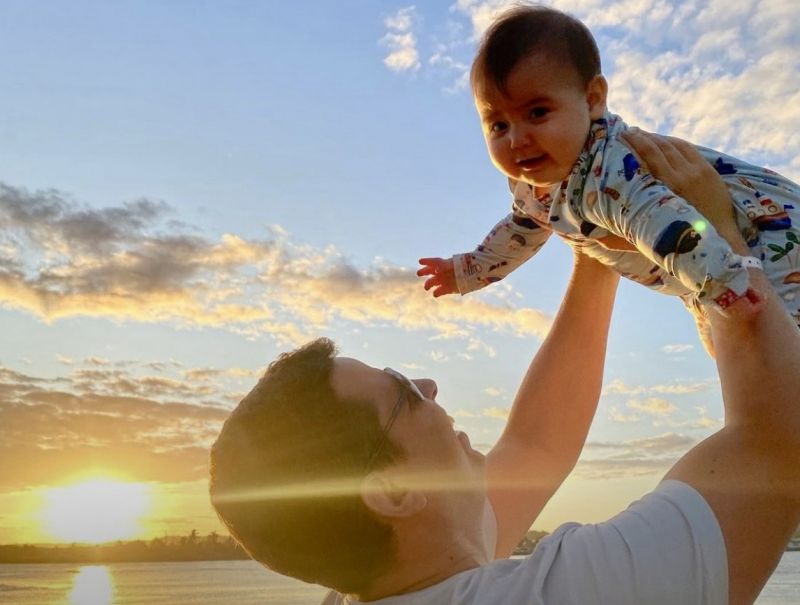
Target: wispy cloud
{"x":619,"y":387}
{"x":638,"y":457}
{"x":496,"y":412}
{"x":622,"y":417}
{"x":676,"y":348}
{"x":129,"y":263}
{"x":654,"y":406}
{"x":401,"y":41}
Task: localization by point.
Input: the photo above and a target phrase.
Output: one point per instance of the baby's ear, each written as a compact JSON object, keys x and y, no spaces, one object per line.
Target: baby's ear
{"x":596,"y":96}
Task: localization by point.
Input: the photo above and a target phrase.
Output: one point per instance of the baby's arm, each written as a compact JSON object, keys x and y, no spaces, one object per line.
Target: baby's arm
{"x":508,"y":245}
{"x":626,"y":199}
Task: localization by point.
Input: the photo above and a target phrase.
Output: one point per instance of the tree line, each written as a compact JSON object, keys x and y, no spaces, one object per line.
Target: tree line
{"x":191,"y":547}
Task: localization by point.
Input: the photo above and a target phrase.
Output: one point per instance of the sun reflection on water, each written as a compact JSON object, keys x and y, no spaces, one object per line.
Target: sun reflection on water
{"x":93,"y":585}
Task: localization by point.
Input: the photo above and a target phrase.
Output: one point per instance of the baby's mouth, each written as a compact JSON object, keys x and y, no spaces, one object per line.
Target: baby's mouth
{"x":531,"y":163}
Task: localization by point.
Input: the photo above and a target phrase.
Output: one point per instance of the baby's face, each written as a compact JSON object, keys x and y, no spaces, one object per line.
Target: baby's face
{"x":537,"y":131}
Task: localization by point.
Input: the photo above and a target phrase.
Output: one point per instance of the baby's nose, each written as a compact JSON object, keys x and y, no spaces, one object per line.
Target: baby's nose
{"x":519,"y":135}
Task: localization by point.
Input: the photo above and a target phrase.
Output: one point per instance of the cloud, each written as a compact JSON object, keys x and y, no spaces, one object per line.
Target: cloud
{"x":619,"y":387}
{"x":683,"y":388}
{"x":401,"y":41}
{"x":496,"y":412}
{"x":676,"y":348}
{"x":634,"y":458}
{"x":142,"y":269}
{"x":149,"y":428}
{"x":618,"y":416}
{"x":654,"y":406}
{"x":701,"y":421}
{"x":438,"y":356}
{"x":494,"y":391}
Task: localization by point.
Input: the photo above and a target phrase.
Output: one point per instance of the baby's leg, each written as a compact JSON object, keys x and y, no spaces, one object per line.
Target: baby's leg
{"x":768,"y":215}
{"x":781,"y":258}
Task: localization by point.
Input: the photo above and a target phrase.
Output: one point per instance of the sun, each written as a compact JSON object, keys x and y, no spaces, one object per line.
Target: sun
{"x":99,"y":510}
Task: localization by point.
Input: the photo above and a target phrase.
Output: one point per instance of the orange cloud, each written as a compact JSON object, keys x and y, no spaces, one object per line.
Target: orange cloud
{"x":125,"y":263}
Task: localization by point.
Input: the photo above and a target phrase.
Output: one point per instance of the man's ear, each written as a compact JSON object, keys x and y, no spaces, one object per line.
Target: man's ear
{"x":387,"y":498}
{"x":596,"y":96}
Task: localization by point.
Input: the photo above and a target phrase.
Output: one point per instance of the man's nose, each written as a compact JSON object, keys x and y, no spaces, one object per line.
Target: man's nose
{"x":428,"y":387}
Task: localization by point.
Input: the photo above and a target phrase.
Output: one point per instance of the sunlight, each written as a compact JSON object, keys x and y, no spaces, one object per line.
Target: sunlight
{"x":93,"y":585}
{"x":96,"y":511}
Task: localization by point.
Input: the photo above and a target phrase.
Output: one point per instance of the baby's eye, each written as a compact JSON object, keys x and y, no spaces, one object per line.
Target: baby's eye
{"x":498,"y":127}
{"x":539,"y":112}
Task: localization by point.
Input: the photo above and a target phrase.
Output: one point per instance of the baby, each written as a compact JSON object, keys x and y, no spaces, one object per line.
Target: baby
{"x":541,"y":97}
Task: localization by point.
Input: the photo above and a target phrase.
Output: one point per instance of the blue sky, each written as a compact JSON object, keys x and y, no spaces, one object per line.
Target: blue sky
{"x":189,"y":188}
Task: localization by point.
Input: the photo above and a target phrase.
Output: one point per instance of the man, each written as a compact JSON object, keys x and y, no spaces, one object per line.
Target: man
{"x":352,"y":477}
{"x":539,"y":447}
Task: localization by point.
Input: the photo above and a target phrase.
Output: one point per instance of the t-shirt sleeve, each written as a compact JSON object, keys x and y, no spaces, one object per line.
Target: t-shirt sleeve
{"x":666,"y":548}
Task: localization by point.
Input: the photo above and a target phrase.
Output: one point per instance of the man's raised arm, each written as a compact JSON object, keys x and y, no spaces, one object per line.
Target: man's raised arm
{"x":554,"y":407}
{"x":749,"y":471}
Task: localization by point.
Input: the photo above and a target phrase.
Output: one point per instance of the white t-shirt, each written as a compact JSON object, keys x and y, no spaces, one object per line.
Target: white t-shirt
{"x":665,"y":549}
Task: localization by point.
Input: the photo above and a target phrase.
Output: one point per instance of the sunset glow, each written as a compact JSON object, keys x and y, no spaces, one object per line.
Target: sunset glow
{"x":96,"y":511}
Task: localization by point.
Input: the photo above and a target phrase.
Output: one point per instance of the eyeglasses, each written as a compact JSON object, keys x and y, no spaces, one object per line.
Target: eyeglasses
{"x":407,"y":390}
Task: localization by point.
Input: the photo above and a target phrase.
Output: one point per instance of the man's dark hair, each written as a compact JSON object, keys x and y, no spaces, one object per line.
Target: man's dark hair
{"x":523,"y":30}
{"x":288,"y":441}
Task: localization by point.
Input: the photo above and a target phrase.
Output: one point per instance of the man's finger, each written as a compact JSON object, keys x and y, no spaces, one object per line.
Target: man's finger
{"x":646,"y":147}
{"x":687,"y":150}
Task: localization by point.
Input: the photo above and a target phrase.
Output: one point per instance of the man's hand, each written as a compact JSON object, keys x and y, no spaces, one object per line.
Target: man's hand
{"x":681,"y":167}
{"x":443,"y":275}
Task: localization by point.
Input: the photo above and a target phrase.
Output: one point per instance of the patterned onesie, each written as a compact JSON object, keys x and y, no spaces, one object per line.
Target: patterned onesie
{"x":609,"y":193}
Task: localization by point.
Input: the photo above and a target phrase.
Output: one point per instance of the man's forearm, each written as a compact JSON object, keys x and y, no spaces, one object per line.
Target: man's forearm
{"x":557,"y":400}
{"x":554,"y":406}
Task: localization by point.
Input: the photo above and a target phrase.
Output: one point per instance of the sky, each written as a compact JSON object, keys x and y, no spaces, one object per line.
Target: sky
{"x":189,"y":188}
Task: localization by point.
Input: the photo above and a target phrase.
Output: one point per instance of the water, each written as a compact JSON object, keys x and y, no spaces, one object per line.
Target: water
{"x":221,"y":583}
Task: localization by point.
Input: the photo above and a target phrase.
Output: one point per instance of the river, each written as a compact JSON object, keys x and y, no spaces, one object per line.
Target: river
{"x":221,"y":583}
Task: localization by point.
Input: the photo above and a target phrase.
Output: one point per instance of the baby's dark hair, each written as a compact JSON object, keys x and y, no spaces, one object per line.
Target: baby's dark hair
{"x":523,"y":30}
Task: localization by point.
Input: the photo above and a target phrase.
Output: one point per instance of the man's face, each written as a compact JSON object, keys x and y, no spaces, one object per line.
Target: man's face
{"x":536,"y":131}
{"x":439,"y":459}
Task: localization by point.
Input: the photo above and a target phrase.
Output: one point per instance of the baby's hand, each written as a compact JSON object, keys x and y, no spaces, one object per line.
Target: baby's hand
{"x":443,"y":275}
{"x":747,"y":307}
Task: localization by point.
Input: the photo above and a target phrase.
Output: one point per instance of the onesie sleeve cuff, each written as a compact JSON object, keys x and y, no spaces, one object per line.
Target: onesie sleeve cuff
{"x":466,"y":271}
